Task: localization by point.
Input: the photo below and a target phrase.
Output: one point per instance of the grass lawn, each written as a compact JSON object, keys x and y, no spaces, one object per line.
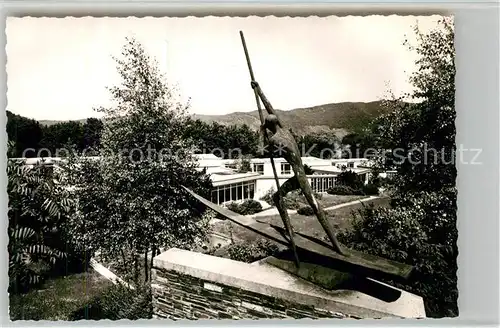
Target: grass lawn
{"x":58,"y":298}
{"x":328,"y":200}
{"x":340,"y":218}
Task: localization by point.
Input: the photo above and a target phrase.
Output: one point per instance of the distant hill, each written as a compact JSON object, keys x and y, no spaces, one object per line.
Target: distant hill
{"x":52,"y":122}
{"x":339,"y":117}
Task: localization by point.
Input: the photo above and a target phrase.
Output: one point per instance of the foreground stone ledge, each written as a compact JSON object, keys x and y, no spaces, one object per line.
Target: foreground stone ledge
{"x":193,"y":285}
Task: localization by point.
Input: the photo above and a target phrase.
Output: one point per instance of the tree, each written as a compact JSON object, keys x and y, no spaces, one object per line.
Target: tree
{"x":225,"y":141}
{"x":57,"y":135}
{"x":321,"y":145}
{"x":39,"y":208}
{"x":24,"y":133}
{"x":132,"y":198}
{"x":420,"y":228}
{"x":92,"y":130}
{"x":421,"y":135}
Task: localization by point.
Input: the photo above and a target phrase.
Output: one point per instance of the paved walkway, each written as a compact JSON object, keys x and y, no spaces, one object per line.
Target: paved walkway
{"x":274,"y":210}
{"x":106,"y":273}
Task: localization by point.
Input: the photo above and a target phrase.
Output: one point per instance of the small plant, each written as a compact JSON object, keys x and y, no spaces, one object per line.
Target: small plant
{"x":305,"y":210}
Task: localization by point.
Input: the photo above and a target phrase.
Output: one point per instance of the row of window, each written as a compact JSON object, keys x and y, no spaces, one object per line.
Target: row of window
{"x":259,"y":168}
{"x":322,"y":184}
{"x":233,"y":192}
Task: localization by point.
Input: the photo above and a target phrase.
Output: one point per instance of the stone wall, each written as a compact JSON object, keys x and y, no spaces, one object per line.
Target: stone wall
{"x":187,"y":297}
{"x":188,"y":285}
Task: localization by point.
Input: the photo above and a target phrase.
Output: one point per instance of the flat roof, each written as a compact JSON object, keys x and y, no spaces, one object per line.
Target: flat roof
{"x":223,"y":179}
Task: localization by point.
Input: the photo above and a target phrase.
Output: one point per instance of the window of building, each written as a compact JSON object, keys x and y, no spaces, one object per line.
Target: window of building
{"x":350,"y":164}
{"x":285,"y":168}
{"x":258,"y":167}
{"x":322,"y":184}
{"x":233,"y":192}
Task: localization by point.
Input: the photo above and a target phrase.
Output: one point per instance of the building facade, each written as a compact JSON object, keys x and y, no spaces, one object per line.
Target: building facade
{"x":231,"y":185}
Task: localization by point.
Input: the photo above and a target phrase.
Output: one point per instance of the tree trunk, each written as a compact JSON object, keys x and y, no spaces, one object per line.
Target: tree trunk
{"x":153,"y":254}
{"x":136,"y":269}
{"x":146,"y":265}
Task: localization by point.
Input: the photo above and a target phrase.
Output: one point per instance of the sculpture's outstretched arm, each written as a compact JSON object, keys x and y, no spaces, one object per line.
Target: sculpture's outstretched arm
{"x":265,"y":101}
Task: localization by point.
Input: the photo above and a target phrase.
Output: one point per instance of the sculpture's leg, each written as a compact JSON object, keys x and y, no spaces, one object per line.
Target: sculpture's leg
{"x":320,"y":214}
{"x":285,"y":188}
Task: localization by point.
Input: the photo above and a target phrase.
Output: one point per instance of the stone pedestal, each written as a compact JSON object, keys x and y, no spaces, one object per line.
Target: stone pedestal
{"x":189,"y":285}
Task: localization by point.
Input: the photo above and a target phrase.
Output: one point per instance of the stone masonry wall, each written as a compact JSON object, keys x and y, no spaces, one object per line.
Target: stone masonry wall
{"x":179,"y":296}
{"x":190,"y":285}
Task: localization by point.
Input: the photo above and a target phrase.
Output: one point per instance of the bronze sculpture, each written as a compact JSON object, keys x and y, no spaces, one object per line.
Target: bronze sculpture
{"x":315,"y":251}
{"x":283,"y":138}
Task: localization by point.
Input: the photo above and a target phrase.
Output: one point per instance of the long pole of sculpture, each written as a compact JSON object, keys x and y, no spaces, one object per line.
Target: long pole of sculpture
{"x":263,"y":138}
{"x":282,"y":137}
{"x":261,"y":114}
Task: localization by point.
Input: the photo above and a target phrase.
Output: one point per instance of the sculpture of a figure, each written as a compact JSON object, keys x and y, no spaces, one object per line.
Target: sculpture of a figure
{"x":282,"y":138}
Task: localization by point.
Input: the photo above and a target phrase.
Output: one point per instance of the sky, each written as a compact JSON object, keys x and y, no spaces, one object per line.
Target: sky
{"x":58,"y":68}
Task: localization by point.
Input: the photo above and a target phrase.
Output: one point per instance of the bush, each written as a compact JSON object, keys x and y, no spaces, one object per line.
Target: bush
{"x":245,"y":252}
{"x":293,"y":201}
{"x":39,"y":209}
{"x":248,"y":207}
{"x":342,"y":190}
{"x":350,"y":179}
{"x":420,"y":230}
{"x":119,"y":302}
{"x":268,"y":196}
{"x":370,"y":189}
{"x":306,"y":210}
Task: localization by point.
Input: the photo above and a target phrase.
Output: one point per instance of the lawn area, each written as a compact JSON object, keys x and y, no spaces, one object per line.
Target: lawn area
{"x":328,"y":200}
{"x":58,"y":298}
{"x":340,"y":218}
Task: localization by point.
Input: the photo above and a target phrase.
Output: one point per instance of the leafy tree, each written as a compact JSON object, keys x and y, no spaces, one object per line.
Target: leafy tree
{"x":321,"y":145}
{"x":24,"y":133}
{"x":39,"y":208}
{"x":132,"y":200}
{"x":227,"y":141}
{"x":357,"y":144}
{"x":420,"y":228}
{"x":350,"y":179}
{"x":57,"y":135}
{"x":243,"y":164}
{"x":92,"y":130}
{"x":421,"y":135}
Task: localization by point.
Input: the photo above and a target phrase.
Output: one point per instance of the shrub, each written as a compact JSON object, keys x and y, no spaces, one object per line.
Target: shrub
{"x":268,"y":196}
{"x":420,"y":230}
{"x":350,"y":179}
{"x":306,"y":210}
{"x":370,"y":189}
{"x":245,"y":252}
{"x":39,"y":208}
{"x":342,"y":190}
{"x":248,"y":207}
{"x":292,"y":201}
{"x":119,"y":302}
